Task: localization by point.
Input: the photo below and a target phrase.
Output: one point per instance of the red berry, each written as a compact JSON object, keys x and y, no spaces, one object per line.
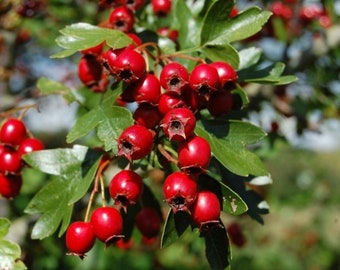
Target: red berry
{"x":169,"y":101}
{"x":107,"y":224}
{"x":135,"y":142}
{"x":174,"y":77}
{"x":13,"y":131}
{"x":194,"y":154}
{"x":89,"y":70}
{"x":122,"y":18}
{"x":126,"y":187}
{"x":80,"y":238}
{"x":168,"y":33}
{"x":180,"y":191}
{"x":179,"y":124}
{"x":30,"y":145}
{"x":129,"y":66}
{"x":10,"y":160}
{"x":10,"y":185}
{"x":206,"y":209}
{"x":226,"y":74}
{"x":147,"y":115}
{"x":147,"y":89}
{"x":148,"y":222}
{"x":204,"y":79}
{"x":161,"y":7}
{"x":220,"y":102}
{"x":133,"y":5}
{"x":236,"y":235}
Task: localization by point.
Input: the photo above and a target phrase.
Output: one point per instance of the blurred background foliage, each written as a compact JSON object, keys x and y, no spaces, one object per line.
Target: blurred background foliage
{"x":301,"y":151}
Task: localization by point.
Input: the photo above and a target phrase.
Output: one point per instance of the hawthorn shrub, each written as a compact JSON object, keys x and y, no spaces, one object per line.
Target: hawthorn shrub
{"x":161,"y":89}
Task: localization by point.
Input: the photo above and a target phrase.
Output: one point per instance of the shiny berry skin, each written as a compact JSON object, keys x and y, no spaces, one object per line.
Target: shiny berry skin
{"x":179,"y":124}
{"x":147,"y":115}
{"x":107,"y":224}
{"x":126,"y":187}
{"x":147,"y":89}
{"x":122,"y":18}
{"x":135,"y":142}
{"x":161,"y":8}
{"x":13,"y":131}
{"x":180,"y":191}
{"x":174,"y":77}
{"x":10,"y":185}
{"x":10,"y":160}
{"x":169,"y":101}
{"x":226,"y":73}
{"x":80,"y":238}
{"x":194,"y":154}
{"x":89,"y":70}
{"x":204,"y":79}
{"x":30,"y":145}
{"x":148,"y":222}
{"x":220,"y":103}
{"x":129,"y":66}
{"x":206,"y":209}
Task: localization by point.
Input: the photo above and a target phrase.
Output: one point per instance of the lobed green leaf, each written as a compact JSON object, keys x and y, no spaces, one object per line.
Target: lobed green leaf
{"x":48,"y":87}
{"x":228,"y":140}
{"x":80,"y":36}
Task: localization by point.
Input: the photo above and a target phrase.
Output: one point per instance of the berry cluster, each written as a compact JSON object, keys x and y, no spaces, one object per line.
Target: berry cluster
{"x":168,"y":100}
{"x":14,"y":142}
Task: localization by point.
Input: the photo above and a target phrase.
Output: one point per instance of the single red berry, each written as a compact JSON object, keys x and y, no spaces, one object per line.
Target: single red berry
{"x":205,"y":211}
{"x":136,"y":39}
{"x":129,"y":66}
{"x":10,"y":160}
{"x":80,"y":238}
{"x":169,"y":101}
{"x":180,"y":191}
{"x":147,"y":89}
{"x":192,"y":100}
{"x":233,"y":12}
{"x":281,"y":10}
{"x":122,"y":18}
{"x":126,"y":188}
{"x":161,"y":8}
{"x":174,"y":77}
{"x":226,"y":74}
{"x":220,"y":102}
{"x":90,"y":70}
{"x":107,"y":224}
{"x":236,"y":235}
{"x":125,"y":244}
{"x":194,"y":154}
{"x":10,"y":185}
{"x":147,"y":115}
{"x":179,"y":124}
{"x":204,"y":79}
{"x":148,"y":222}
{"x":30,"y":145}
{"x":135,"y":142}
{"x":13,"y":131}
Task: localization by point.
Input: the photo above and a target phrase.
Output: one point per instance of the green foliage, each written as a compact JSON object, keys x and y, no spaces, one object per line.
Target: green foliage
{"x":10,"y":252}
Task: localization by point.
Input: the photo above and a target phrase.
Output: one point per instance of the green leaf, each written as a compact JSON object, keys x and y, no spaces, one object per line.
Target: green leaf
{"x":80,"y":36}
{"x":10,"y":252}
{"x":228,"y":140}
{"x":74,"y":170}
{"x":217,"y":248}
{"x":185,"y":23}
{"x":267,"y":75}
{"x":48,"y":87}
{"x":109,"y":120}
{"x":175,"y":225}
{"x":249,"y":57}
{"x":232,"y":202}
{"x":224,"y":52}
{"x":218,"y":29}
